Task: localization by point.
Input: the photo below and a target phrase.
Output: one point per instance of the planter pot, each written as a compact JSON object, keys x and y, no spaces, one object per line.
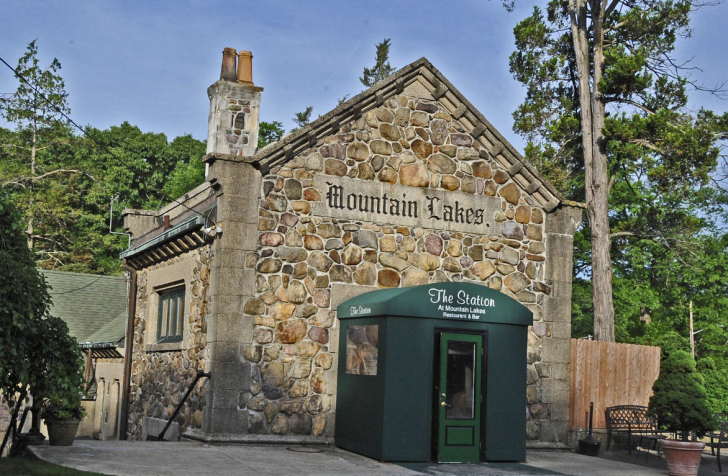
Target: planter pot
{"x":62,"y":432}
{"x":683,"y":457}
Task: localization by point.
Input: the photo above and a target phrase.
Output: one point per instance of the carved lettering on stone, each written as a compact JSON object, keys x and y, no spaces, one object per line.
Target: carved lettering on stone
{"x":405,"y":206}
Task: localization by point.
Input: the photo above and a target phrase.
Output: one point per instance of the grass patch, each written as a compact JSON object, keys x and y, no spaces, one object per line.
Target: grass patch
{"x":28,"y":467}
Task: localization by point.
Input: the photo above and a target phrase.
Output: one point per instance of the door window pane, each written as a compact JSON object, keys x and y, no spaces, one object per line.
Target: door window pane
{"x":460,"y":385}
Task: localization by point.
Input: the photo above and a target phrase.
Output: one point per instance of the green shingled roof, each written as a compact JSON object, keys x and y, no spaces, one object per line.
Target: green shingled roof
{"x":93,"y":306}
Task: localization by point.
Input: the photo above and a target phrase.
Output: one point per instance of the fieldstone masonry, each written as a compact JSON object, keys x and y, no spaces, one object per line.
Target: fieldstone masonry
{"x":413,"y":188}
{"x":161,"y":378}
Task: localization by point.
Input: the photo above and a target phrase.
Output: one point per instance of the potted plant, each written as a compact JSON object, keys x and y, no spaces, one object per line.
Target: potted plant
{"x":62,"y":419}
{"x":680,"y":405}
{"x":55,"y":372}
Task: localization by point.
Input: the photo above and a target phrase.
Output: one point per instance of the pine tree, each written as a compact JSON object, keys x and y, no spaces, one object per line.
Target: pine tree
{"x":643,"y":169}
{"x":679,"y":400}
{"x":381,"y":68}
{"x":35,"y":107}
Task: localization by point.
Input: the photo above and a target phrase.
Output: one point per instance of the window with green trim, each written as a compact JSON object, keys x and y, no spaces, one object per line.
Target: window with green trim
{"x":170,"y":322}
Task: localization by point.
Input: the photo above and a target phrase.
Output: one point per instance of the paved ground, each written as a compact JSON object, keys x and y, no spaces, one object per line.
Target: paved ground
{"x":124,"y":458}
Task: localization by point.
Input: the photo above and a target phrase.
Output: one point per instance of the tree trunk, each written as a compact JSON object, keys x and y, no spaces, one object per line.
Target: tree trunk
{"x":596,"y":178}
{"x":598,"y":209}
{"x":30,"y":231}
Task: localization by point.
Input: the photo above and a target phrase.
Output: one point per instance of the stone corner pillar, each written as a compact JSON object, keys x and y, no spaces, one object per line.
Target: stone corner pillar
{"x":229,"y":329}
{"x":561,"y":224}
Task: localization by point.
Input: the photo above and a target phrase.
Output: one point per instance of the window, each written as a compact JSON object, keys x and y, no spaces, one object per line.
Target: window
{"x":362,"y":349}
{"x":170,"y":322}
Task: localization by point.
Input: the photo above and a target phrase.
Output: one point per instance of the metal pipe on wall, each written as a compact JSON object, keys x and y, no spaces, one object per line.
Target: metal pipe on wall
{"x":129,"y":347}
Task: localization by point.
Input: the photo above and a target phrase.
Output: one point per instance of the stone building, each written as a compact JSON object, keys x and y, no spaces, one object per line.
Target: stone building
{"x":402,"y":185}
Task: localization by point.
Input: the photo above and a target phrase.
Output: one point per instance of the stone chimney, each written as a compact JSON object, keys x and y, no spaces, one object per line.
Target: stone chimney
{"x":232,"y":126}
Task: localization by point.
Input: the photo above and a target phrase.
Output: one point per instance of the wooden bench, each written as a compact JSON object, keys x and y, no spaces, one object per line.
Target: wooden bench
{"x":630,"y":419}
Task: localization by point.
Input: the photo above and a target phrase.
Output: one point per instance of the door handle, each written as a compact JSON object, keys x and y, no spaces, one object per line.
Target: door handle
{"x":445,"y":404}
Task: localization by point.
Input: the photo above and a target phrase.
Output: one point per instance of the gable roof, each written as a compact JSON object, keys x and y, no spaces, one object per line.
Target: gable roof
{"x":421,"y":71}
{"x":93,"y":306}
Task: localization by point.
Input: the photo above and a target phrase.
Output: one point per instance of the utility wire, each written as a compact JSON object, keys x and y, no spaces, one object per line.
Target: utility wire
{"x":77,"y":289}
{"x":104,"y":147}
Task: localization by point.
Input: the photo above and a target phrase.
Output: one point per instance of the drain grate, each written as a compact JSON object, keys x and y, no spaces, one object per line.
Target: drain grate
{"x":303,"y":449}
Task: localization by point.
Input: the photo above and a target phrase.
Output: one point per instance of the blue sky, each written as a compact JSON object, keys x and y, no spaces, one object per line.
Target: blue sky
{"x":150,"y":62}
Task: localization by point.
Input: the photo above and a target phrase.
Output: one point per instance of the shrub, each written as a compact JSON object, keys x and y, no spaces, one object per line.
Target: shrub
{"x":679,"y":402}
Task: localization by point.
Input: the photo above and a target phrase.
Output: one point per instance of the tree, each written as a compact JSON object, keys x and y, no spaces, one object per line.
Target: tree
{"x":679,"y":400}
{"x":269,"y":132}
{"x":302,"y":119}
{"x":37,"y":356}
{"x":189,"y":171}
{"x":381,"y":68}
{"x":716,"y":384}
{"x":644,"y":165}
{"x":71,"y":211}
{"x":35,"y":108}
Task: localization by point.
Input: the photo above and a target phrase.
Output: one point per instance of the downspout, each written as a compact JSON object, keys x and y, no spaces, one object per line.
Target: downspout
{"x":131,"y":287}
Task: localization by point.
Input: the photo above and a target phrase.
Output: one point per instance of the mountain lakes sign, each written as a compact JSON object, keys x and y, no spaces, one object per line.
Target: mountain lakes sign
{"x":380,"y":202}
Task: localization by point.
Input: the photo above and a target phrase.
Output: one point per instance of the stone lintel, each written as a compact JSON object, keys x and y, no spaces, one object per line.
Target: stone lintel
{"x":215,"y":156}
{"x":564,"y":221}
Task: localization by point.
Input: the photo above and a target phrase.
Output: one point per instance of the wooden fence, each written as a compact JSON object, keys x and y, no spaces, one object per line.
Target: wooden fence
{"x":609,"y":374}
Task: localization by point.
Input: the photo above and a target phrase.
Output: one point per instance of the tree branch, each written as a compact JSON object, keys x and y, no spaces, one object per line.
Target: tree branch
{"x":645,"y":143}
{"x":57,"y":171}
{"x":19,"y":180}
{"x":611,"y":8}
{"x":627,"y":101}
{"x":620,"y":233}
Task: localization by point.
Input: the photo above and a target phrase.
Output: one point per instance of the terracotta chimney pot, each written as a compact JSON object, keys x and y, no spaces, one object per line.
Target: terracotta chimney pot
{"x":228,"y":64}
{"x":245,"y":68}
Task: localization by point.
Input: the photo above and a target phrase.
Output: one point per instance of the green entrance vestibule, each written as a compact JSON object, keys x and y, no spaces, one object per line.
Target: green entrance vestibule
{"x":433,"y":373}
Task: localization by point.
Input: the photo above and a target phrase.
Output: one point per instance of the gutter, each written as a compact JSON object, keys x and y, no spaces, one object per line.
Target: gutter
{"x":128,"y":351}
{"x":98,"y":345}
{"x":177,"y":230}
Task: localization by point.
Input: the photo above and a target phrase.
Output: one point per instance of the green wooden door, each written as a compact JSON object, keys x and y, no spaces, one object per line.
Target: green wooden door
{"x":459,"y":402}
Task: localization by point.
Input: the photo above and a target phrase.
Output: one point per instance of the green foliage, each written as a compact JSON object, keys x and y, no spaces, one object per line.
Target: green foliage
{"x":40,"y":95}
{"x":36,"y":353}
{"x":62,"y":182}
{"x":303,"y":118}
{"x":189,"y":171}
{"x":381,"y":68}
{"x":665,"y":212}
{"x":679,"y":399}
{"x":582,"y":311}
{"x":665,"y":209}
{"x":270,"y":132}
{"x":716,"y":384}
{"x":71,"y":210}
{"x":62,"y":412}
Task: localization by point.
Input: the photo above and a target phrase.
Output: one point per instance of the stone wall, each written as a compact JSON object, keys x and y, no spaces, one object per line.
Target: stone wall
{"x":161,"y":377}
{"x":306,"y":251}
